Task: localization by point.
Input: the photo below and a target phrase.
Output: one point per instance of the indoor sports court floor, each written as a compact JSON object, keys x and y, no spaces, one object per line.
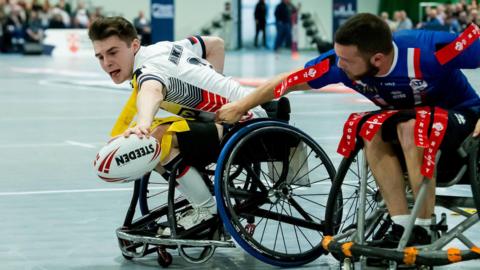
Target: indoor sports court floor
{"x":55,"y":113}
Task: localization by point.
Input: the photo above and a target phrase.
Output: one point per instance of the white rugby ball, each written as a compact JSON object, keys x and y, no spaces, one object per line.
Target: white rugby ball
{"x":127,"y":159}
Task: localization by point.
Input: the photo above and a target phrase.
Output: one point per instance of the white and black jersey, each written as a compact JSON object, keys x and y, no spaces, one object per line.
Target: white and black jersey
{"x":189,"y":80}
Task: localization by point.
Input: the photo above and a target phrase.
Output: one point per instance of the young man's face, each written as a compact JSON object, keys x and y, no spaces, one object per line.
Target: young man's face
{"x":116,"y":57}
{"x":352,"y":63}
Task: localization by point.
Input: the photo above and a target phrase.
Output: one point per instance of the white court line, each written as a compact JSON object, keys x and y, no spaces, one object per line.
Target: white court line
{"x":67,"y":191}
{"x":66,"y":143}
{"x":86,"y":145}
{"x":57,"y":118}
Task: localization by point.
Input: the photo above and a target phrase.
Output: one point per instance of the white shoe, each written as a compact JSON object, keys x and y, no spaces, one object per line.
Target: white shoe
{"x":190,"y":219}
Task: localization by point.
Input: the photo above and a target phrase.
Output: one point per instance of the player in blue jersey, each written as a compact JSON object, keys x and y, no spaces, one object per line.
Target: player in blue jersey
{"x":404,"y":71}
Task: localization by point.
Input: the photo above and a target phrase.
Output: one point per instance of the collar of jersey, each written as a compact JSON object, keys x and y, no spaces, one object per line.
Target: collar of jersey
{"x":394,"y":63}
{"x":139,"y":58}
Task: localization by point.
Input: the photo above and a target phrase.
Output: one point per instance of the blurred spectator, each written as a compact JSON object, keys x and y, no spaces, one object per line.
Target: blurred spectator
{"x":96,"y":14}
{"x":432,"y":22}
{"x":65,"y":6}
{"x":56,"y":21}
{"x":441,"y":16}
{"x":474,"y":16}
{"x":3,"y":19}
{"x":283,"y":22}
{"x":46,"y":6}
{"x":227,"y":26}
{"x":14,"y":30}
{"x":391,"y":24}
{"x":81,"y":17}
{"x":463,"y":20}
{"x":403,"y":21}
{"x":34,"y":30}
{"x":260,"y":21}
{"x":452,"y":23}
{"x":61,"y":12}
{"x":142,"y":25}
{"x":37,"y":7}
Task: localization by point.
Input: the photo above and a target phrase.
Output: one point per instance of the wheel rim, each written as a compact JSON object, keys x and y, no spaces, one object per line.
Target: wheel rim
{"x":278,"y":207}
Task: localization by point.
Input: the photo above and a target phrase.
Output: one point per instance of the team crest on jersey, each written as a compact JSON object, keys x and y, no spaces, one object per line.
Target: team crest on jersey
{"x":459,"y":46}
{"x":418,"y":85}
{"x":196,"y":61}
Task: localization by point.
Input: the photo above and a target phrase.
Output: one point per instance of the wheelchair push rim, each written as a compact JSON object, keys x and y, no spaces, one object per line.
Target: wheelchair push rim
{"x":272,"y":198}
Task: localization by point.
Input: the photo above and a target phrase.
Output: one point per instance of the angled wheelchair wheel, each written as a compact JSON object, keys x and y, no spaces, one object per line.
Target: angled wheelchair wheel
{"x":342,"y":207}
{"x":471,"y":146}
{"x":271,"y":186}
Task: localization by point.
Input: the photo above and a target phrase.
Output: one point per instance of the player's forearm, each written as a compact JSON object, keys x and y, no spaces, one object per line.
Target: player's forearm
{"x":261,"y":94}
{"x":148,"y":103}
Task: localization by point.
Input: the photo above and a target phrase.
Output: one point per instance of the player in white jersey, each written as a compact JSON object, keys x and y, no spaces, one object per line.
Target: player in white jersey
{"x":184,"y":78}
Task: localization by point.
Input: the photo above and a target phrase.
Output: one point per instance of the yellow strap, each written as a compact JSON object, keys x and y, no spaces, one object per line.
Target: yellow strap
{"x":410,"y":255}
{"x":454,"y":254}
{"x":128,"y":113}
{"x":178,"y":126}
{"x":346,"y":249}
{"x":164,"y":120}
{"x":326,"y":241}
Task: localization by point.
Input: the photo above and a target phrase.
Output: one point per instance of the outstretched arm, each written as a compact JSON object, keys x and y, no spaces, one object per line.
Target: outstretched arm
{"x":275,"y":88}
{"x":233,"y":112}
{"x":148,"y":102}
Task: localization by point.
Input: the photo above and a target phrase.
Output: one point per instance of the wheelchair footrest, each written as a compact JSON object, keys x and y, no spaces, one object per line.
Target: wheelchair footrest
{"x":408,"y":256}
{"x":152,"y":240}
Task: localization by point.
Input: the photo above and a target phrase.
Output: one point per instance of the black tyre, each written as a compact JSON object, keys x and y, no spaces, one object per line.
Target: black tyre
{"x":275,"y":207}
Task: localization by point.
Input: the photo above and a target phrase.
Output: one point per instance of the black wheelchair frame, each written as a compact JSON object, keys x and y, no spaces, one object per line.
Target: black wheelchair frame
{"x":356,"y":214}
{"x":272,"y":209}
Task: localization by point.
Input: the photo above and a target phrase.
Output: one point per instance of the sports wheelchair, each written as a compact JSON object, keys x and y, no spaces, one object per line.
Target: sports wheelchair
{"x":271,"y":185}
{"x":356,"y":214}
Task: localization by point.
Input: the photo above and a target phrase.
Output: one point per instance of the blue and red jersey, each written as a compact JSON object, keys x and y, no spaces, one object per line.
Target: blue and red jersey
{"x":426,"y":71}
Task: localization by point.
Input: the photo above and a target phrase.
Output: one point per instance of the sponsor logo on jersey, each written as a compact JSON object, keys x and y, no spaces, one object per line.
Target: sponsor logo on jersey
{"x":175,"y":54}
{"x":459,"y":45}
{"x":134,"y":154}
{"x":365,"y":88}
{"x":460,"y":118}
{"x":398,"y":95}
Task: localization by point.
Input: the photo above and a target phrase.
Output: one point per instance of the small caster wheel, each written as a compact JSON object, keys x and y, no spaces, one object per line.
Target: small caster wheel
{"x":164,"y":258}
{"x":128,"y":258}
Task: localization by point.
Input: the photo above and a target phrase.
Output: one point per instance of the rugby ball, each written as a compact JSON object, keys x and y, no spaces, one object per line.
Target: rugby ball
{"x":127,"y":159}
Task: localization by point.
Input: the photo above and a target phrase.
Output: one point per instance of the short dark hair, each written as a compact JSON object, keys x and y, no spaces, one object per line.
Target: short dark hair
{"x":368,"y":32}
{"x":103,"y":28}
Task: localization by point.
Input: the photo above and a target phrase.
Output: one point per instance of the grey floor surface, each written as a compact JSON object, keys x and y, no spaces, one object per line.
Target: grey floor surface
{"x":55,"y":114}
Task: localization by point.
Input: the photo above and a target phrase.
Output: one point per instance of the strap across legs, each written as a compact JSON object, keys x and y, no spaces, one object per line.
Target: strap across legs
{"x":368,"y":130}
{"x":374,"y":122}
